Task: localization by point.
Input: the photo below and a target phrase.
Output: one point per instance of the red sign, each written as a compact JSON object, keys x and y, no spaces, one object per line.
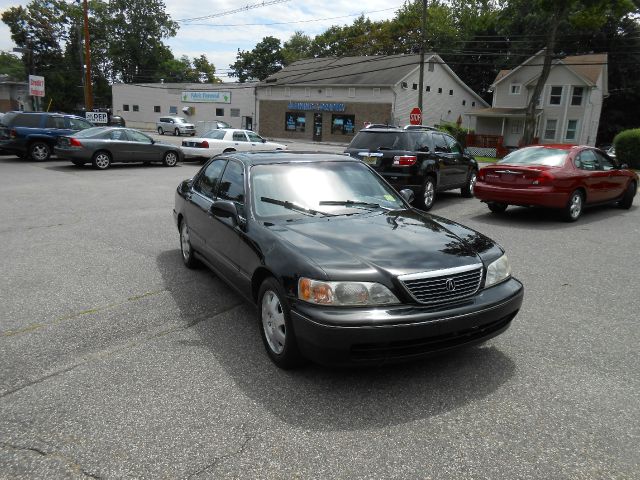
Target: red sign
{"x":415,"y":117}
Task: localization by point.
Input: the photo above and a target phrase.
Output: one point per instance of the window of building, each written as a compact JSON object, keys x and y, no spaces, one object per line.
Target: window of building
{"x":516,"y":127}
{"x":464,"y":102}
{"x":136,"y":108}
{"x":450,"y":92}
{"x":342,"y":124}
{"x":515,"y":89}
{"x":427,"y":88}
{"x":125,"y":107}
{"x":439,"y":90}
{"x":415,"y":86}
{"x":219,"y":112}
{"x":328,"y":92}
{"x":234,"y":112}
{"x":404,"y":85}
{"x":352,"y":92}
{"x":431,"y":66}
{"x":473,"y":104}
{"x":173,"y":109}
{"x":156,"y":108}
{"x":376,"y":92}
{"x":550,"y":129}
{"x":294,"y":121}
{"x":555,"y":97}
{"x":307,"y":92}
{"x":576,"y":97}
{"x":287,"y":91}
{"x":572,"y":130}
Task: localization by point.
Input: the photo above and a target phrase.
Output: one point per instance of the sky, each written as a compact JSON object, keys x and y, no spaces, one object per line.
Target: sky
{"x":220,"y":38}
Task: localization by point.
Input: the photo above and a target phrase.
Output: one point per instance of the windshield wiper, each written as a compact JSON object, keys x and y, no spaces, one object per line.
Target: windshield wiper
{"x":350,"y":203}
{"x":293,"y":206}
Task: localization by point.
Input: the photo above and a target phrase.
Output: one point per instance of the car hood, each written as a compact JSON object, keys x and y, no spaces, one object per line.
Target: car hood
{"x":397,"y":242}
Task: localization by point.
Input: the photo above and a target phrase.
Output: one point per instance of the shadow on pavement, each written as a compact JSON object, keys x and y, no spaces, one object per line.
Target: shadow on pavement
{"x":320,"y":398}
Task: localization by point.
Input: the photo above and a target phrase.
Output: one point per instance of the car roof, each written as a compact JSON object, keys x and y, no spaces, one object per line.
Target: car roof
{"x":61,"y":114}
{"x":262,"y":158}
{"x":558,"y":146}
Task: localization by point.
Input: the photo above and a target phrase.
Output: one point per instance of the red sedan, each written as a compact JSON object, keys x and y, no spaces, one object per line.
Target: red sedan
{"x":556,"y":176}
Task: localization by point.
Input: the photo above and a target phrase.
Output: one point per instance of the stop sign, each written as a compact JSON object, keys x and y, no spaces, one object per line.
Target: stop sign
{"x":415,"y":117}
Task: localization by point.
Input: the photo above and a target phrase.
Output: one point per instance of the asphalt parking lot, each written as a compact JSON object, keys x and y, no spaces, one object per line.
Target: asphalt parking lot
{"x":118,"y":362}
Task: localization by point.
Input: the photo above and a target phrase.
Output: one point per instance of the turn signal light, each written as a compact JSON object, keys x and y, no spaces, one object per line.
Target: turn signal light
{"x":404,"y":160}
{"x":74,"y":142}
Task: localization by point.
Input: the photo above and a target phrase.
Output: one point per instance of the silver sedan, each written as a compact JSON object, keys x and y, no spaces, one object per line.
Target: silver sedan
{"x":102,"y":146}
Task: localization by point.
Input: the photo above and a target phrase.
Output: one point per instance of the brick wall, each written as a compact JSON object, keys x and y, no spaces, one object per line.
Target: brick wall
{"x":272,"y":119}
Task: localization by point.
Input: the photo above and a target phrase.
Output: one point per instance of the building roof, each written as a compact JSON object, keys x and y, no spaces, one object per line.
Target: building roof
{"x":500,"y":112}
{"x":190,"y":86}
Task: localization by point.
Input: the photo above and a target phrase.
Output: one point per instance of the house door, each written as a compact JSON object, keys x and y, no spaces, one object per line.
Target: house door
{"x":317,"y":127}
{"x":248,"y":123}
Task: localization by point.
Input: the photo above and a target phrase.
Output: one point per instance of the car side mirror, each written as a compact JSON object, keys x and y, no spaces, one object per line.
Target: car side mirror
{"x":264,"y":140}
{"x":408,"y":195}
{"x":224,"y":209}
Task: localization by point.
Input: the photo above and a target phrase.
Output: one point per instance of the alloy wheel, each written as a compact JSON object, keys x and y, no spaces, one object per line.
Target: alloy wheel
{"x":170,"y":159}
{"x":102,"y":160}
{"x":429,"y":194}
{"x":40,"y":152}
{"x":185,"y":243}
{"x":273,"y":322}
{"x":575,"y":206}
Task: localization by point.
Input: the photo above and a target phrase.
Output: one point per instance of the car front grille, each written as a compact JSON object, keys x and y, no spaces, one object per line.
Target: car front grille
{"x":443,"y":286}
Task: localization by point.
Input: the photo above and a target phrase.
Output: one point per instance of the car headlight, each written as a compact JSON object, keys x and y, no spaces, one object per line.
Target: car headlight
{"x":344,"y":293}
{"x":498,"y":271}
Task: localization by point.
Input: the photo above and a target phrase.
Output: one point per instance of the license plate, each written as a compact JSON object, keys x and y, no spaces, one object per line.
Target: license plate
{"x":370,"y":160}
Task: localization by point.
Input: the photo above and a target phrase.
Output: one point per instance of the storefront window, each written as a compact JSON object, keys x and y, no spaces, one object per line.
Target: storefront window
{"x":342,"y":124}
{"x":294,"y":121}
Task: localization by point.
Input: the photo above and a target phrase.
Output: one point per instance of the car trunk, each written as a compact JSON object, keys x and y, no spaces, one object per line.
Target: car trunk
{"x":516,"y":176}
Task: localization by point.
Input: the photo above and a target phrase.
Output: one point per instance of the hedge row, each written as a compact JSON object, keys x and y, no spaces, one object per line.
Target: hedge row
{"x":627,"y":145}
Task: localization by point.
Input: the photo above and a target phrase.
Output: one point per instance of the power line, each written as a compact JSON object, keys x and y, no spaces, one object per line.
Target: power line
{"x":237,"y":10}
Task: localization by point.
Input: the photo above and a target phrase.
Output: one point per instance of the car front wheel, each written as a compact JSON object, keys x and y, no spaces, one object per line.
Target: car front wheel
{"x":188,"y":256}
{"x":627,"y":199}
{"x":39,"y":151}
{"x":573,"y":209}
{"x":176,"y":132}
{"x":170,"y":159}
{"x":160,"y":131}
{"x":496,"y":207}
{"x":274,"y":319}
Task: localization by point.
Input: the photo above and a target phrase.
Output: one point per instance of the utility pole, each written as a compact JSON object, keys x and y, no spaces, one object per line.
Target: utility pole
{"x":88,"y":90}
{"x":423,"y":40}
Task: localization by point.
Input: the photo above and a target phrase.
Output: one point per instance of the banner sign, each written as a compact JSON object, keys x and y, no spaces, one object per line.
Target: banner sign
{"x":97,"y":117}
{"x":206,"y":97}
{"x":318,"y":107}
{"x":36,"y":86}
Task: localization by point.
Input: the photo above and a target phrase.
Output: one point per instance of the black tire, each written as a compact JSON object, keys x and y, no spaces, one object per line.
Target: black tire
{"x":496,"y":207}
{"x":629,"y":193}
{"x":193,"y":134}
{"x":467,"y":190}
{"x":574,"y":207}
{"x":227,"y":150}
{"x":188,"y":254}
{"x":170,"y":159}
{"x":39,"y":151}
{"x":160,"y":131}
{"x":101,"y":160}
{"x":274,"y":321}
{"x":427,"y":194}
{"x":176,"y":132}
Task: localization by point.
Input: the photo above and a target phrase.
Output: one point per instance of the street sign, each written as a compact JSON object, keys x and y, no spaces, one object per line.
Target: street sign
{"x":415,"y":117}
{"x":97,"y":117}
{"x":36,"y":86}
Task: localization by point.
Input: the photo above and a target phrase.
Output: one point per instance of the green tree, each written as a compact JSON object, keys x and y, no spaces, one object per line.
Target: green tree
{"x":296,"y":48}
{"x":12,"y":66}
{"x":264,"y":60}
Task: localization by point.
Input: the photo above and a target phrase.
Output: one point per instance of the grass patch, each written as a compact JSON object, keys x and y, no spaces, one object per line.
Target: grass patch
{"x":485,"y":159}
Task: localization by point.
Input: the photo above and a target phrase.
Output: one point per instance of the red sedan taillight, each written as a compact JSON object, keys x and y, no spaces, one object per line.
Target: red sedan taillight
{"x":404,"y":160}
{"x":543,"y":178}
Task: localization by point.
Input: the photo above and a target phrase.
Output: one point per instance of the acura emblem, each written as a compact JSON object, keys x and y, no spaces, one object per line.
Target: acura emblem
{"x":450,"y":284}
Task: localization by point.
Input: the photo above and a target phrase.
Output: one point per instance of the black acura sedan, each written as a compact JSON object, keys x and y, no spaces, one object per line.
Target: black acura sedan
{"x":341,"y":268}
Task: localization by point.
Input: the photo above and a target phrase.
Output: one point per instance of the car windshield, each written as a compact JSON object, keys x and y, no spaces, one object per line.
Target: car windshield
{"x":380,"y":140}
{"x":215,"y":134}
{"x":552,"y":157}
{"x":89,"y":132}
{"x":180,"y":120}
{"x":328,"y":187}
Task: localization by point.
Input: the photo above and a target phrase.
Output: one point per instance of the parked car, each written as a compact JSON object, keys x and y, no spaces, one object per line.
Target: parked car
{"x":424,"y":161}
{"x":102,"y":146}
{"x":611,"y":151}
{"x":220,"y":124}
{"x":565,"y":177}
{"x":117,"y":121}
{"x":176,"y":125}
{"x":420,"y":127}
{"x":215,"y":142}
{"x":341,"y":268}
{"x":34,"y":134}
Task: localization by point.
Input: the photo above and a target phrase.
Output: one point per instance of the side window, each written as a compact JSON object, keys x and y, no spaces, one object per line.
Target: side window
{"x":439,"y":143}
{"x":453,"y":145}
{"x":421,"y":141}
{"x":254,"y":137}
{"x":29,"y":120}
{"x":208,"y":181}
{"x":586,"y":160}
{"x":118,"y":135}
{"x":138,"y":137}
{"x":605,"y":163}
{"x":232,"y":183}
{"x":239,"y":137}
{"x":54,"y":122}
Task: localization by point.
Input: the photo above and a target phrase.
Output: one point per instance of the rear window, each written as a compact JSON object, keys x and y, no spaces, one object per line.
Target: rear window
{"x":215,"y":134}
{"x":380,"y":140}
{"x":29,"y":120}
{"x":7,"y":118}
{"x":551,"y":157}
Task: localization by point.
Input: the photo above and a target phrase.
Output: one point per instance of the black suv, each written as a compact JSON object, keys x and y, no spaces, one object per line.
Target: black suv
{"x":425,"y":161}
{"x":34,"y":134}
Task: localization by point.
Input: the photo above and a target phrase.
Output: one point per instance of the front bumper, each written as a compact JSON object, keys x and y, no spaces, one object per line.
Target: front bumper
{"x":393,"y":334}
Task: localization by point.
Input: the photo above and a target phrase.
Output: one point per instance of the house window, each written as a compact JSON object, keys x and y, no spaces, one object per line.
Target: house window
{"x":329,"y":92}
{"x":473,"y":104}
{"x":287,"y":91}
{"x":404,"y":85}
{"x":342,"y":124}
{"x":294,"y":121}
{"x":431,"y":66}
{"x":555,"y":97}
{"x":156,"y":108}
{"x":572,"y":130}
{"x":439,"y":90}
{"x":136,"y":108}
{"x":515,"y":89}
{"x":450,"y":92}
{"x":352,"y":92}
{"x":415,"y":86}
{"x":550,"y":129}
{"x":234,"y":112}
{"x":307,"y":92}
{"x":464,"y":102}
{"x":576,"y":98}
{"x":125,"y":107}
{"x":376,"y":92}
{"x":219,"y":112}
{"x":516,"y":127}
{"x":428,"y":88}
{"x":173,"y":109}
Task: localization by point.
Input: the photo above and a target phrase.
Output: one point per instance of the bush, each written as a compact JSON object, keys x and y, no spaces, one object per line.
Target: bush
{"x":459,"y":133}
{"x":627,"y":145}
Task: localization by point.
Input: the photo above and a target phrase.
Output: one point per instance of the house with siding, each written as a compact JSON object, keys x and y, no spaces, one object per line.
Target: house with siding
{"x":331,"y":99}
{"x":568,"y":109}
